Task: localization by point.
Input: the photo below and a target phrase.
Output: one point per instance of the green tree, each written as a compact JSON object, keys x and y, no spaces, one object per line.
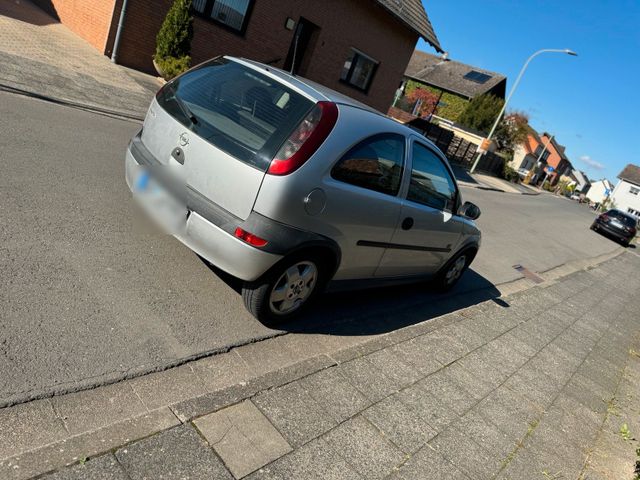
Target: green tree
{"x":173,"y":42}
{"x":481,"y":112}
{"x":511,"y":132}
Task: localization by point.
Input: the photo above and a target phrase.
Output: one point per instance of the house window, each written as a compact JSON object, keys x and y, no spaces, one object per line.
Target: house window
{"x":233,"y":14}
{"x":358,"y":70}
{"x":634,"y":190}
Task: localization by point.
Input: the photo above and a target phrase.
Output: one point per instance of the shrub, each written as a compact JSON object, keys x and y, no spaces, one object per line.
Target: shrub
{"x":173,"y":42}
{"x":172,"y":67}
{"x":481,"y":112}
{"x":510,"y":174}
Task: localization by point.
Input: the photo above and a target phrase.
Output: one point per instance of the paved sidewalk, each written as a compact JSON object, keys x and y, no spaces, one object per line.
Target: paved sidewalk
{"x":41,"y":56}
{"x":532,"y":385}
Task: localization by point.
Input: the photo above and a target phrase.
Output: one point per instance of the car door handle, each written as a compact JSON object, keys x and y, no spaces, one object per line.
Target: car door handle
{"x":407,"y":223}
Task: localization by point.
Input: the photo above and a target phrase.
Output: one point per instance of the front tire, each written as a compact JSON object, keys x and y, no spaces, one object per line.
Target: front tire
{"x":453,"y":270}
{"x":286,"y":291}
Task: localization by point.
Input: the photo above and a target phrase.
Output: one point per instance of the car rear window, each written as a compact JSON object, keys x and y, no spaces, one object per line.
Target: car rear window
{"x":237,"y":109}
{"x":624,"y":219}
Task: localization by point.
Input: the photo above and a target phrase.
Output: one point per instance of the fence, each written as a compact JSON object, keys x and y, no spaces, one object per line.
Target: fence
{"x":458,"y":150}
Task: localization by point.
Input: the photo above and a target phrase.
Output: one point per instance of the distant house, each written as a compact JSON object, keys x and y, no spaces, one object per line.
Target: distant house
{"x":599,"y":191}
{"x":454,"y":83}
{"x":526,"y":154}
{"x":358,"y":47}
{"x":581,"y":179}
{"x":626,"y":194}
{"x":556,"y":164}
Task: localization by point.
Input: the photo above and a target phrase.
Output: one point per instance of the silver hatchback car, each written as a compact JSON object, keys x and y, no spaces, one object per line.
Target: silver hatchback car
{"x":292,"y":187}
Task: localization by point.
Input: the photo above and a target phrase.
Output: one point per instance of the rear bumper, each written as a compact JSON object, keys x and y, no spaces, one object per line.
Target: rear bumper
{"x":212,"y":242}
{"x":623,"y":236}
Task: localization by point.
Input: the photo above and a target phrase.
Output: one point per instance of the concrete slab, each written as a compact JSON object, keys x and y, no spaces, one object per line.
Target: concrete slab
{"x":220,"y":371}
{"x":175,"y":453}
{"x":27,"y":426}
{"x":92,"y":409}
{"x":170,"y":386}
{"x":105,"y":467}
{"x":366,"y":449}
{"x":428,"y":460}
{"x":333,"y":392}
{"x":243,"y":437}
{"x":294,"y":413}
{"x":404,"y":426}
{"x":313,"y":461}
{"x":368,"y":379}
{"x":70,"y":450}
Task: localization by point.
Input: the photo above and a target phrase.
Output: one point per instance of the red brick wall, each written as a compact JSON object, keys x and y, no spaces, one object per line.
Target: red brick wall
{"x":343,"y":24}
{"x":90,"y":19}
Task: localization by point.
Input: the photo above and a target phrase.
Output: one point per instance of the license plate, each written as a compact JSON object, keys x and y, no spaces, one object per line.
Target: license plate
{"x":616,"y":223}
{"x":169,"y":213}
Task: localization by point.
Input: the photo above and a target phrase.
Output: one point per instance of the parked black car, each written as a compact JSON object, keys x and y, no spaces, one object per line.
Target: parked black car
{"x":616,"y":224}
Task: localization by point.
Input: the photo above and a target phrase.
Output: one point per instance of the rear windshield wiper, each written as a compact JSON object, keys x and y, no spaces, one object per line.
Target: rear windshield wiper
{"x":182,"y":105}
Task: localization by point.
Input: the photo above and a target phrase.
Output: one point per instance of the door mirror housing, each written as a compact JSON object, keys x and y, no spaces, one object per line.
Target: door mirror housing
{"x":469,"y":210}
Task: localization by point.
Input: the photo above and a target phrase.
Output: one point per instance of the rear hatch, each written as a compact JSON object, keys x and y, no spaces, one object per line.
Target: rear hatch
{"x":218,"y":127}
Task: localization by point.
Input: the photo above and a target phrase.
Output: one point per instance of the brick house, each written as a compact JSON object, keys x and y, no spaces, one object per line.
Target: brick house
{"x":358,"y":47}
{"x":551,"y":154}
{"x":452,"y":83}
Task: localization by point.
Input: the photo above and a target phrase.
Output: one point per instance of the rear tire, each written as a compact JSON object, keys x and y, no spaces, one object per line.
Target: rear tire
{"x":286,"y":291}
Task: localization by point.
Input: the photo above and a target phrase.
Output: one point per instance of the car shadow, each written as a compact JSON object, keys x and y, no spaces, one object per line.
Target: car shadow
{"x":384,"y":309}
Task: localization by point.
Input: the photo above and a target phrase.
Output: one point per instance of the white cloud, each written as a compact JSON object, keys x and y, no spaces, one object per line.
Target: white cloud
{"x":591,"y":162}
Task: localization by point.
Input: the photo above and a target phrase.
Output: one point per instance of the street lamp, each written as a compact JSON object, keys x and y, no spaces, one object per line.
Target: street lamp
{"x":513,"y":89}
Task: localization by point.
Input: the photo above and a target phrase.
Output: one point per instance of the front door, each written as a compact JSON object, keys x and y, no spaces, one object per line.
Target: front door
{"x":301,"y":47}
{"x":428,"y":230}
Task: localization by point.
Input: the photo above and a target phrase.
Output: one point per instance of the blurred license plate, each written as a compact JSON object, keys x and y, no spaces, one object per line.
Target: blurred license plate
{"x":616,"y":223}
{"x":168,"y":212}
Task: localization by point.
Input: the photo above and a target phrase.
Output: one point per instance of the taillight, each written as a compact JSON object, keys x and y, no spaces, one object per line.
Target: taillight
{"x":604,"y":217}
{"x":249,"y":238}
{"x":305,"y":139}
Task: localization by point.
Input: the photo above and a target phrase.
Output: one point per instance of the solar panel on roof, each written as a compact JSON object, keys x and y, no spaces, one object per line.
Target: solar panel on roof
{"x":477,"y":77}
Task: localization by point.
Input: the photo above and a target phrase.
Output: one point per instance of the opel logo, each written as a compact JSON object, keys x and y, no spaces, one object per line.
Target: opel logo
{"x":184,"y":139}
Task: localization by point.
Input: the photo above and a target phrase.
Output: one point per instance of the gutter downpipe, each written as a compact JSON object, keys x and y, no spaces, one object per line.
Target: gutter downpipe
{"x":116,"y":43}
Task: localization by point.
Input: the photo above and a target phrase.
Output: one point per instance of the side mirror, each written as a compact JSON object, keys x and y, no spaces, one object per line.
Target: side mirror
{"x":469,"y":210}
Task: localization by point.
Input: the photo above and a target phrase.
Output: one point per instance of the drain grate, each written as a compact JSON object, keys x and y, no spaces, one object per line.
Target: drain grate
{"x":528,"y":274}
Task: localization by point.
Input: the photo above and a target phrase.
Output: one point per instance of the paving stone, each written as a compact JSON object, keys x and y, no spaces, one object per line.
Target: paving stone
{"x":365,"y":448}
{"x":470,"y":383}
{"x":220,"y":371}
{"x":447,"y":349}
{"x":175,"y":453}
{"x":392,"y":367}
{"x":588,"y":393}
{"x":534,"y":385}
{"x":466,"y":454}
{"x":431,"y":409}
{"x":442,"y":387}
{"x":297,"y":416}
{"x":330,"y":389}
{"x":404,"y":426}
{"x":71,"y":449}
{"x":533,"y":464}
{"x":105,"y":467}
{"x":428,"y":462}
{"x":170,"y":386}
{"x":478,"y":364}
{"x":92,"y":409}
{"x":314,"y":461}
{"x":485,"y":434}
{"x":510,"y":412}
{"x":27,"y":426}
{"x":372,"y":383}
{"x":414,"y":353}
{"x":243,"y":437}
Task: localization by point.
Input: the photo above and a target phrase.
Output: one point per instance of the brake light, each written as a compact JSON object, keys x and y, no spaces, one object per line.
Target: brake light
{"x":249,"y":238}
{"x":305,"y":139}
{"x":604,"y":217}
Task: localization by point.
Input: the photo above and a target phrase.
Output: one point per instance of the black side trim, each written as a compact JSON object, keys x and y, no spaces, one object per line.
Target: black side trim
{"x":367,"y":243}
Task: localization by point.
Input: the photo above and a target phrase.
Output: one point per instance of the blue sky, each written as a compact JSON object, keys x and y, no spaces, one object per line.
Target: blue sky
{"x":590,"y":102}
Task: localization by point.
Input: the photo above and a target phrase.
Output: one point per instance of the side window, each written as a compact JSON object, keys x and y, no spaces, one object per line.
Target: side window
{"x":375,"y":163}
{"x":431,"y":184}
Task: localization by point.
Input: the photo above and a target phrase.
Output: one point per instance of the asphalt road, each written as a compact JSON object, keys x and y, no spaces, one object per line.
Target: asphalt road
{"x":90,"y":293}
